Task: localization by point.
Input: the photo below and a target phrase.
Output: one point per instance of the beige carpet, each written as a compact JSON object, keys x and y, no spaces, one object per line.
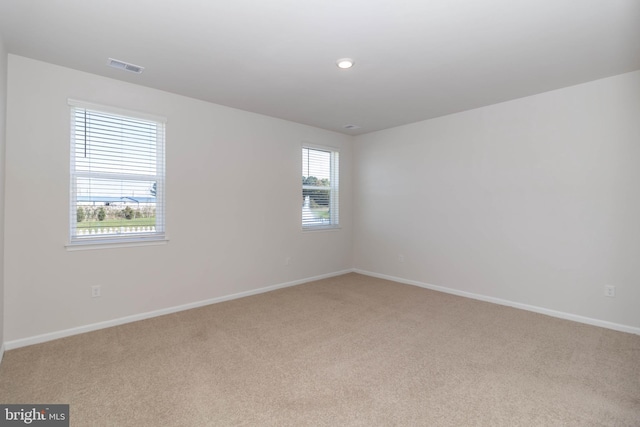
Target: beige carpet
{"x":350,"y":350}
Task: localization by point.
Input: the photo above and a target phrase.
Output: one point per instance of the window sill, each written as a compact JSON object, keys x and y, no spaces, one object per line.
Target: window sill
{"x":321,"y":228}
{"x":112,"y":244}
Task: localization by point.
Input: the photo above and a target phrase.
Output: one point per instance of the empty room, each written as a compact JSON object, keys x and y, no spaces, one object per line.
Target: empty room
{"x":340,"y":213}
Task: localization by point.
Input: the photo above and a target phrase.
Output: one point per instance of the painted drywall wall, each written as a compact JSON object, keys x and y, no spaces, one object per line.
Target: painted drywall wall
{"x":233,"y":206}
{"x":3,"y":105}
{"x":533,"y":201}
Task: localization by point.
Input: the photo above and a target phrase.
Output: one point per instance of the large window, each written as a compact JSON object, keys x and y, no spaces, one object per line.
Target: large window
{"x":320,"y":183}
{"x":117,"y":176}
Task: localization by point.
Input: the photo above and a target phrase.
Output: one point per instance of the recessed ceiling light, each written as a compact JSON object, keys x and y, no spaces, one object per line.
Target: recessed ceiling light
{"x":121,"y":65}
{"x":345,"y":63}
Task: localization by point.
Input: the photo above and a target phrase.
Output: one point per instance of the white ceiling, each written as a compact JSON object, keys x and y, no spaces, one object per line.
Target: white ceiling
{"x":415,"y":59}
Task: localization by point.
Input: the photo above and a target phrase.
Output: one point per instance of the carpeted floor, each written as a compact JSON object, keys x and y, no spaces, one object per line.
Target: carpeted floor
{"x":346,"y":351}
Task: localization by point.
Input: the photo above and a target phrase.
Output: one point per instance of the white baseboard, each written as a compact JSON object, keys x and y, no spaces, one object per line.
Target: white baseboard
{"x":23,"y":342}
{"x":535,"y":309}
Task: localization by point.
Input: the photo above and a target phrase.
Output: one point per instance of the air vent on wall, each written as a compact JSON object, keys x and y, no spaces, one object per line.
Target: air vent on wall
{"x":125,"y":66}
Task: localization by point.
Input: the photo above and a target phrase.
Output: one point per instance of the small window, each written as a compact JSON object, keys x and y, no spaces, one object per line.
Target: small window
{"x":117,"y":176}
{"x":320,"y":183}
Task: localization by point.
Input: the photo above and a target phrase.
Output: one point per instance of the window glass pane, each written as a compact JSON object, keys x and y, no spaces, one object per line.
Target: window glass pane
{"x":115,"y":206}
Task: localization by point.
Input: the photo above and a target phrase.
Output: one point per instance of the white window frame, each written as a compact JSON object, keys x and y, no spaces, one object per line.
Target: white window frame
{"x":334,"y":192}
{"x":99,"y":241}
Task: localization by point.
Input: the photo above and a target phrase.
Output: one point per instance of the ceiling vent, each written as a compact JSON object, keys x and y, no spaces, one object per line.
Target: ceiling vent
{"x":350,"y":127}
{"x":125,"y":66}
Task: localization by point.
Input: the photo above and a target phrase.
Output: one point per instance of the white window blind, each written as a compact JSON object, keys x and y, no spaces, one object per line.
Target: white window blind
{"x":117,"y":176}
{"x":320,"y":185}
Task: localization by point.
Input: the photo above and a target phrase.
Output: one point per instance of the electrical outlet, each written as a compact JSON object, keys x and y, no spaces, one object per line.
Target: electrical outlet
{"x":609,"y":291}
{"x":287,"y":260}
{"x":95,"y":291}
{"x":400,"y":258}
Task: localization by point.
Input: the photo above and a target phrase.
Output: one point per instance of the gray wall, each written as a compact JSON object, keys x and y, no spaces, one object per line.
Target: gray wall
{"x":3,"y":106}
{"x":233,"y":207}
{"x":533,"y":201}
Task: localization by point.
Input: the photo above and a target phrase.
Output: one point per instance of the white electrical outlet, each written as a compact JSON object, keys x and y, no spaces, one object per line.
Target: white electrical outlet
{"x":95,"y":291}
{"x":287,"y":260}
{"x":400,"y":258}
{"x":609,"y":291}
